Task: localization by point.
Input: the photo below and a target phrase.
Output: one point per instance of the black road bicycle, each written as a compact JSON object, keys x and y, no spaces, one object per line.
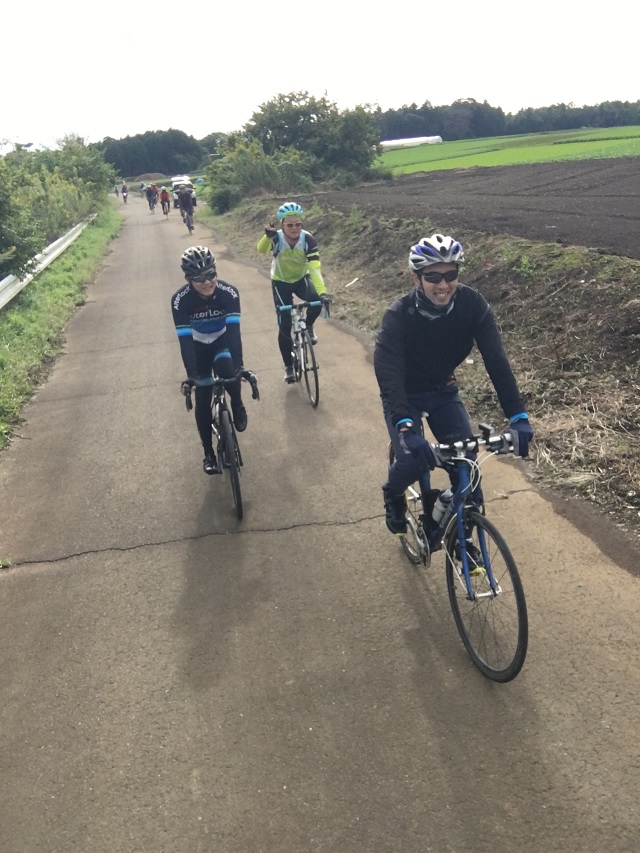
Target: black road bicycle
{"x":224,"y":433}
{"x":483,"y":582}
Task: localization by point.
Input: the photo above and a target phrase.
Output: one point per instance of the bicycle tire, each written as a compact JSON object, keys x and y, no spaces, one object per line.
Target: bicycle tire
{"x":310,"y":365}
{"x":230,"y":460}
{"x":411,"y":541}
{"x":494,"y":629}
{"x":295,"y":362}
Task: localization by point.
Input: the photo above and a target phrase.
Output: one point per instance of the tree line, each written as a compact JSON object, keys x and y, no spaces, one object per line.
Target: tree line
{"x":470,"y":119}
{"x":344,"y":140}
{"x":43,"y":194}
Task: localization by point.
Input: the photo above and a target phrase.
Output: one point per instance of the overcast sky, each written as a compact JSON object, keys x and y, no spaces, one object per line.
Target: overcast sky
{"x":119,"y":68}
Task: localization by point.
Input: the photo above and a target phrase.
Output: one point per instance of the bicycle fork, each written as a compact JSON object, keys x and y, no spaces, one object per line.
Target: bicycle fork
{"x":494,"y":588}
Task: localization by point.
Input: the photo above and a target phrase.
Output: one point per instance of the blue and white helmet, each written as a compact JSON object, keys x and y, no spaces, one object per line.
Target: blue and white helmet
{"x":437,"y":249}
{"x":289,"y":208}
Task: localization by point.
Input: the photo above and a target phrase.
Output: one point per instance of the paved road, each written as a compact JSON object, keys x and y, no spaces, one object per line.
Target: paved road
{"x":174,"y":680}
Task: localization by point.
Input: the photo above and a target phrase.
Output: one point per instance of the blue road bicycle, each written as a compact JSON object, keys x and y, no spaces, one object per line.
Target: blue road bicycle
{"x":483,"y":582}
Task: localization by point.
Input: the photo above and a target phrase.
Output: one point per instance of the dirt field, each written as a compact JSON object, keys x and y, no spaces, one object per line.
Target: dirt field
{"x":594,"y":203}
{"x":570,"y":318}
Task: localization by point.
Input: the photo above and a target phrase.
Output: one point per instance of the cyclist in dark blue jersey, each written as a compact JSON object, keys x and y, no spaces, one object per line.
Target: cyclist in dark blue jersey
{"x":206,"y":313}
{"x":425,"y":335}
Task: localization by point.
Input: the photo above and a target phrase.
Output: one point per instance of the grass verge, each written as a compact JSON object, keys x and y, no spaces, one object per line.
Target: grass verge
{"x":32,"y":325}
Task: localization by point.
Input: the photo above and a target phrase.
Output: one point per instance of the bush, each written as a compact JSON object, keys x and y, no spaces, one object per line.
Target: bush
{"x":246,"y":171}
{"x":224,"y":198}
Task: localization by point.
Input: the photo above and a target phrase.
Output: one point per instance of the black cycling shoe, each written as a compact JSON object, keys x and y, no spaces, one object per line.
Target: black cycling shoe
{"x":395,"y":508}
{"x":210,"y":463}
{"x":289,"y":375}
{"x":239,"y":417}
{"x":474,"y":557}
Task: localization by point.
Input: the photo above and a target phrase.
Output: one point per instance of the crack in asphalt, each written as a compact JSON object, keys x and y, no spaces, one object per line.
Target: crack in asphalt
{"x":177,"y":541}
{"x":309,"y":524}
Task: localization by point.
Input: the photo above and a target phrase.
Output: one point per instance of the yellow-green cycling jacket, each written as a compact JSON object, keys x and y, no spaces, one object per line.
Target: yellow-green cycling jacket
{"x":292,"y":264}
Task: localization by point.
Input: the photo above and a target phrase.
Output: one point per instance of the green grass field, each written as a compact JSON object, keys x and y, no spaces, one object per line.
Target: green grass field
{"x":512,"y":150}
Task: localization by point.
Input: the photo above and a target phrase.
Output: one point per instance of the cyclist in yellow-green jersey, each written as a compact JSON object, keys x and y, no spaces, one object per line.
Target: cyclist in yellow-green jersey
{"x":295,"y":269}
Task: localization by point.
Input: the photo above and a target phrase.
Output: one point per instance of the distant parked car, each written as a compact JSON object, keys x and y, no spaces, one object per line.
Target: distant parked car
{"x":177,"y":182}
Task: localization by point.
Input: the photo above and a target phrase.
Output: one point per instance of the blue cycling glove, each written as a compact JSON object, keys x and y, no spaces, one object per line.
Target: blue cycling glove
{"x":419,"y":448}
{"x":521,"y":435}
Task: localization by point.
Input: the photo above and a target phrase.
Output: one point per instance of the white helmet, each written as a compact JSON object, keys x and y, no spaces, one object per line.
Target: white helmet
{"x":437,"y":249}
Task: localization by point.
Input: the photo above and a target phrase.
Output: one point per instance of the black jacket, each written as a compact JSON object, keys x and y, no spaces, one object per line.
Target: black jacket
{"x":414,"y":353}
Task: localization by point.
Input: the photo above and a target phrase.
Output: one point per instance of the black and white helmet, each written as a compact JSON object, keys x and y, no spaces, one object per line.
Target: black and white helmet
{"x":197,"y":260}
{"x":437,"y":249}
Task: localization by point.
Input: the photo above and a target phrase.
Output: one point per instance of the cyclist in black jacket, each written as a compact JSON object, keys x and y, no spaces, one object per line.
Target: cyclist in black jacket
{"x":425,"y":335}
{"x":206,"y":313}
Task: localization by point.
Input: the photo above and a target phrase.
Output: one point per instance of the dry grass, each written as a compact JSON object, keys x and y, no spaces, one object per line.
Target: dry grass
{"x":570,"y":319}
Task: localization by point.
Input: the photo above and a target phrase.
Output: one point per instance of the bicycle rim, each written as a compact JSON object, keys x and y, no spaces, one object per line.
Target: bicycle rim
{"x":231,"y":463}
{"x":494,"y":628}
{"x":310,"y":371}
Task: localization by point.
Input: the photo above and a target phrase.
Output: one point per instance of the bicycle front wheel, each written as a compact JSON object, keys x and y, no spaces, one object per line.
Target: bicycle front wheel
{"x":231,"y":460}
{"x":310,"y":370}
{"x":493,"y":623}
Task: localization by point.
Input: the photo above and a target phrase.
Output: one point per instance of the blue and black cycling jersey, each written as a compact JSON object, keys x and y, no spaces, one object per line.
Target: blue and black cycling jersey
{"x":210,"y":323}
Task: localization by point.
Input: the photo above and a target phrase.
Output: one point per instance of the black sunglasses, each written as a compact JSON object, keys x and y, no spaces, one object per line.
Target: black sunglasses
{"x":206,"y":276}
{"x":436,"y":277}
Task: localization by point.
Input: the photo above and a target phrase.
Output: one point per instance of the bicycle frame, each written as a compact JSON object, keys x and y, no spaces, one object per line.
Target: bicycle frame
{"x":298,"y":323}
{"x":218,"y":406}
{"x":461,"y":504}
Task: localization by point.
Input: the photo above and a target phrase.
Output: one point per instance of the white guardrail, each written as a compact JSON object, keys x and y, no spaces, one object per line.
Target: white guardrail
{"x":11,"y":286}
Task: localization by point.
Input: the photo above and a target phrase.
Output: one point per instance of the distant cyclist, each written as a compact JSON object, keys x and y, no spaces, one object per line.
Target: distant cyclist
{"x":152,"y":197}
{"x":424,"y":336}
{"x":295,"y":269}
{"x":124,"y":192}
{"x":206,"y":314}
{"x":165,"y":200}
{"x":185,"y":203}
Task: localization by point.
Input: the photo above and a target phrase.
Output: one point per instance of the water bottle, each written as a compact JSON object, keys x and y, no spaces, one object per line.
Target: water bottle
{"x":441,"y":505}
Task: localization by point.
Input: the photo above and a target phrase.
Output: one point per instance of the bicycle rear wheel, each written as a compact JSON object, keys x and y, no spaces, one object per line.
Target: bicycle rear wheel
{"x":310,"y":370}
{"x":414,"y":542}
{"x":231,"y":460}
{"x":494,"y":625}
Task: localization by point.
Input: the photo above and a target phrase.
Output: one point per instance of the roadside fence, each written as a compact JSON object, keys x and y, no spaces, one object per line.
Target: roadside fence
{"x":11,"y":286}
